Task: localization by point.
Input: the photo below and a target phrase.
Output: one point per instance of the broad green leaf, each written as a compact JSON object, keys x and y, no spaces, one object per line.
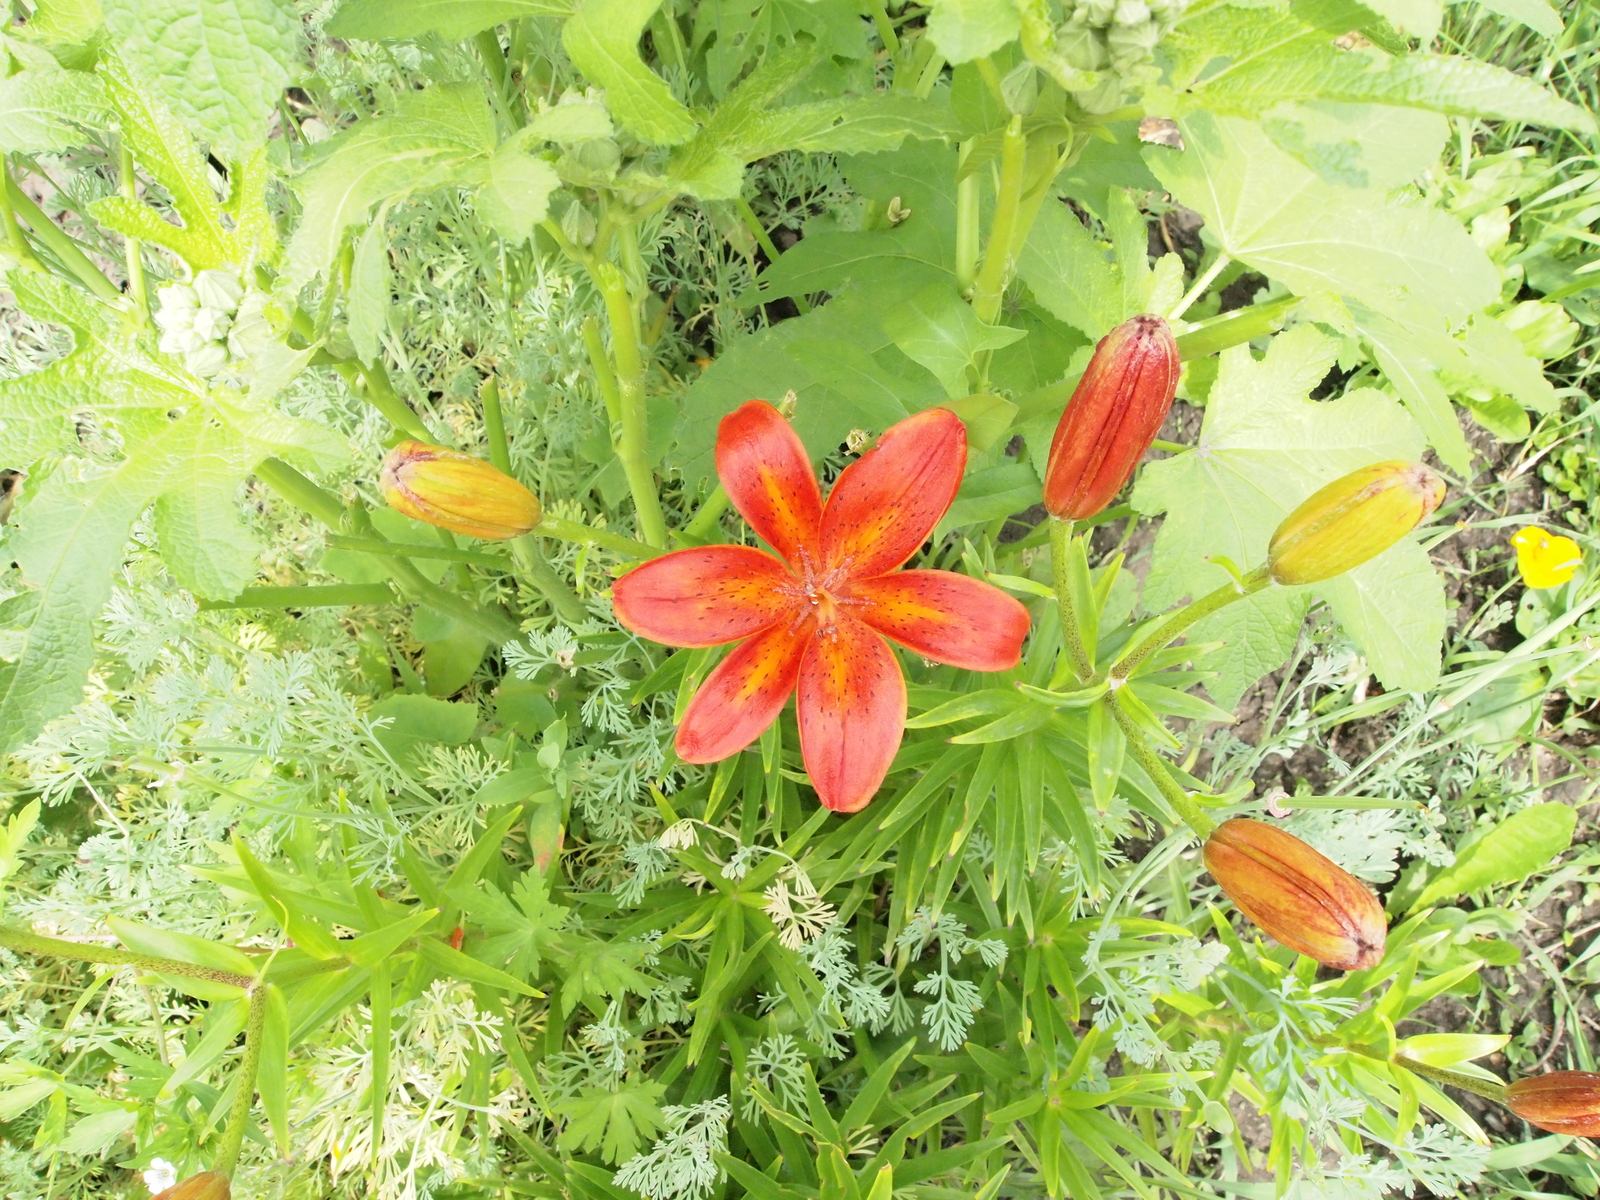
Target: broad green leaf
{"x":1263,"y":448}
{"x":204,"y":540}
{"x":1414,"y":18}
{"x":220,"y":64}
{"x":43,"y":110}
{"x":1523,"y":843}
{"x":388,"y":20}
{"x":1359,"y":145}
{"x":1537,"y":15}
{"x":368,"y":300}
{"x":409,"y":722}
{"x":517,"y":196}
{"x":370,"y":949}
{"x":617,"y":1123}
{"x":967,"y":29}
{"x":429,"y":141}
{"x":1278,"y":216}
{"x":1069,"y":274}
{"x":602,"y":39}
{"x":939,"y":330}
{"x":18,"y":1100}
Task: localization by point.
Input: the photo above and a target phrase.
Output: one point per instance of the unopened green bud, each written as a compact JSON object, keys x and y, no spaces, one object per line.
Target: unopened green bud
{"x":1355,"y":518}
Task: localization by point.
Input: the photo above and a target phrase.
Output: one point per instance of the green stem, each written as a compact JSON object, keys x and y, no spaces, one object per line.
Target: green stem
{"x":968,"y":205}
{"x":14,"y":235}
{"x":886,"y":33}
{"x":402,"y":550}
{"x":633,"y":442}
{"x":569,"y":606}
{"x":1493,"y":1090}
{"x":574,"y":531}
{"x":380,"y":393}
{"x":1234,"y":328}
{"x":132,"y":250}
{"x":604,"y":376}
{"x":753,"y":224}
{"x":302,"y":493}
{"x":13,"y":938}
{"x":1164,"y":633}
{"x":1170,"y":788}
{"x":1071,"y":631}
{"x":1207,"y":278}
{"x":494,"y":425}
{"x":494,"y":58}
{"x":990,"y":284}
{"x":704,"y":521}
{"x":239,"y":1115}
{"x":313,"y":596}
{"x":59,"y":243}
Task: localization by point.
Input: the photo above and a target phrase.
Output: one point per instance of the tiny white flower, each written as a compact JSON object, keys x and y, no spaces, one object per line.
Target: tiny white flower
{"x":160,"y":1176}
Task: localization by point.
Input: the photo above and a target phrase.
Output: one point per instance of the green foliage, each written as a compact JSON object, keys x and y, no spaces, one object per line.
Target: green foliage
{"x":413,"y":897}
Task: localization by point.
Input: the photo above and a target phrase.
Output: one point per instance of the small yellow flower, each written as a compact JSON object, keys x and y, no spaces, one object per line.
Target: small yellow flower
{"x":1543,"y":560}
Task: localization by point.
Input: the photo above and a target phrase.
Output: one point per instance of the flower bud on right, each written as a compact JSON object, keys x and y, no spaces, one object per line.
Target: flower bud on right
{"x":1113,"y":416}
{"x":1560,"y":1102}
{"x":1296,"y":895}
{"x":456,"y":492}
{"x":1355,"y":518}
{"x":208,"y":1185}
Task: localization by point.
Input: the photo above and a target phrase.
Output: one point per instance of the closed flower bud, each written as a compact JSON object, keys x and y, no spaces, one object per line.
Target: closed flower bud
{"x":1113,"y":416}
{"x":456,"y":492}
{"x":1561,"y":1102}
{"x":1355,"y":518}
{"x":1306,"y":901}
{"x":208,"y":1185}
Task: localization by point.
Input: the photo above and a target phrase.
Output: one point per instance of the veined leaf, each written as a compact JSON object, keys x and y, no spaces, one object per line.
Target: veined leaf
{"x":617,"y":1123}
{"x":389,"y":20}
{"x":602,"y":39}
{"x":1523,"y":843}
{"x":43,"y":110}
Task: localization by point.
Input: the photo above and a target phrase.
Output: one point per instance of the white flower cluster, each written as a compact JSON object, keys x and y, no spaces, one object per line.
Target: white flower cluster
{"x":211,"y":322}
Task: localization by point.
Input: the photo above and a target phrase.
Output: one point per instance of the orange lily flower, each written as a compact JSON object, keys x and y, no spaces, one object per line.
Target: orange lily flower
{"x":816,"y":614}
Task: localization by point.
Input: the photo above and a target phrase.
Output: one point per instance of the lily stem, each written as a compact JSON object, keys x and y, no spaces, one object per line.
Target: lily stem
{"x":1207,"y":278}
{"x":59,"y":243}
{"x":13,"y":938}
{"x":239,"y":1115}
{"x":1492,"y":1090}
{"x":588,"y":535}
{"x":633,"y":439}
{"x":494,"y":425}
{"x":1182,"y":803}
{"x":1175,"y":624}
{"x":705,"y":520}
{"x":1071,"y":631}
{"x":566,"y":602}
{"x":14,"y":235}
{"x":133,"y":251}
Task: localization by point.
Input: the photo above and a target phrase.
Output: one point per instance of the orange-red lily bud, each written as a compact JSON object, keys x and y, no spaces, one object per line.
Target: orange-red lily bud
{"x":208,"y":1185}
{"x":1113,"y":416}
{"x":1355,"y":518}
{"x":1304,"y":900}
{"x":1561,"y":1102}
{"x":456,"y":492}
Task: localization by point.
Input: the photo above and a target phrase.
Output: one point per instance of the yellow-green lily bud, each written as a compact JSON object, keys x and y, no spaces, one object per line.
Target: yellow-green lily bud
{"x":1355,"y":518}
{"x":456,"y":492}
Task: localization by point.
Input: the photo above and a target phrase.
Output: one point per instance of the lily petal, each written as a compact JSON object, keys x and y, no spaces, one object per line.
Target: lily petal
{"x":852,"y":709}
{"x":744,"y":694}
{"x":887,"y":502}
{"x":950,"y":618}
{"x":705,"y":596}
{"x":768,"y":476}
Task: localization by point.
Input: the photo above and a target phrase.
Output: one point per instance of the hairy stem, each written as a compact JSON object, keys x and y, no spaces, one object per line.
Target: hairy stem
{"x":13,"y":938}
{"x":1182,"y":804}
{"x":14,"y":235}
{"x":1071,"y":631}
{"x":1493,"y":1090}
{"x":1176,"y":623}
{"x":633,"y":440}
{"x":405,"y":550}
{"x":990,"y":284}
{"x":710,"y":512}
{"x":239,"y":1115}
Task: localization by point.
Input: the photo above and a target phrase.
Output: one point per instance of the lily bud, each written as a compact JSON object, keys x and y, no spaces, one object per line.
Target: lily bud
{"x":456,"y":492}
{"x":1304,"y":900}
{"x":1560,"y":1102}
{"x":1113,"y":416}
{"x":208,"y":1185}
{"x":1355,"y":518}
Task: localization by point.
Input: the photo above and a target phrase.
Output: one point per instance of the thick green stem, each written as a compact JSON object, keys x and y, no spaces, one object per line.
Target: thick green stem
{"x":604,"y":376}
{"x":968,"y":202}
{"x":1200,"y":285}
{"x":1234,"y":328}
{"x":990,"y":284}
{"x":239,"y":1115}
{"x":1182,"y":803}
{"x":57,"y":241}
{"x":404,"y":550}
{"x":705,"y":520}
{"x":1164,"y":633}
{"x":574,"y":531}
{"x":494,"y":425}
{"x":633,"y":441}
{"x":1491,"y":1089}
{"x":314,"y":596}
{"x":13,"y":938}
{"x":132,"y":250}
{"x":1071,"y":630}
{"x":380,"y":393}
{"x":886,"y":33}
{"x":14,"y":235}
{"x":566,"y":602}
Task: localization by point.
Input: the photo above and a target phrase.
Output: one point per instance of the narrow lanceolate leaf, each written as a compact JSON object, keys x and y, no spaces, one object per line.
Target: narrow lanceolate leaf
{"x":602,"y":39}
